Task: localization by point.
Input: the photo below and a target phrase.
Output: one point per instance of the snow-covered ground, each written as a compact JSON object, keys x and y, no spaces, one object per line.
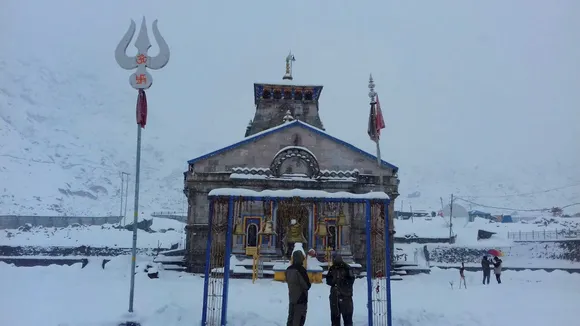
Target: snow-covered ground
{"x":95,"y":297}
{"x":167,"y":232}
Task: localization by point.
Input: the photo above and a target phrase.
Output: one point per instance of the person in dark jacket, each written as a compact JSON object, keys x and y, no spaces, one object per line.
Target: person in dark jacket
{"x":462,"y":276}
{"x":485,"y":266}
{"x":340,"y":277}
{"x":497,"y":268}
{"x":298,"y":286}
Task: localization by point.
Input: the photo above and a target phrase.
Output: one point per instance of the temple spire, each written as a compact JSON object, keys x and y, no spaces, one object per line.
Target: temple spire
{"x":289,"y":59}
{"x":372,"y":92}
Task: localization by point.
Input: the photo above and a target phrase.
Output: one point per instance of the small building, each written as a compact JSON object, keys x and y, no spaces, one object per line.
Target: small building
{"x":285,"y":147}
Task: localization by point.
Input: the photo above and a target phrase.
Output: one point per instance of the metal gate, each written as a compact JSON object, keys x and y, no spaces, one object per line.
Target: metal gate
{"x":217,"y":262}
{"x":378,"y":263}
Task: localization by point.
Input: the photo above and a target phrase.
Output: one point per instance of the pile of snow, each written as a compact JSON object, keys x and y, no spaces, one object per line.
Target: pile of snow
{"x":73,"y":296}
{"x":165,"y":233}
{"x":121,"y":265}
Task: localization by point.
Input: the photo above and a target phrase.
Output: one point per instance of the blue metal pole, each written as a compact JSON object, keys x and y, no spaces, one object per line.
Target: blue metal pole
{"x":227,"y":262}
{"x":369,"y":267}
{"x":388,"y":264}
{"x":207,"y":264}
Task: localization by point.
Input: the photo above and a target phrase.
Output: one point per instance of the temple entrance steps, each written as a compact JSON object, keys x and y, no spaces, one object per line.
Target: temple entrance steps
{"x":243,"y":265}
{"x":404,"y":268}
{"x":172,"y":260}
{"x":175,"y":260}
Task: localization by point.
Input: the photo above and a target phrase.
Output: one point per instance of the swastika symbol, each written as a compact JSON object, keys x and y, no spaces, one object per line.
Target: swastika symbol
{"x":141,"y":59}
{"x":141,"y":79}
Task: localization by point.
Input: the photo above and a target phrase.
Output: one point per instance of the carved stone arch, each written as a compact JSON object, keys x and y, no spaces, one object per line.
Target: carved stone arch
{"x":295,"y":152}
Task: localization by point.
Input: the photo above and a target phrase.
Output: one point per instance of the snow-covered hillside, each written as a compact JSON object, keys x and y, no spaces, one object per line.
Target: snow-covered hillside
{"x":67,"y":126}
{"x":163,"y":234}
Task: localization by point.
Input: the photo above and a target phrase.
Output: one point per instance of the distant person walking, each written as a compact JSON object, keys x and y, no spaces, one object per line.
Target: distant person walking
{"x":497,"y":268}
{"x":298,"y":286}
{"x":340,"y":277}
{"x":462,"y":276}
{"x":485,"y":266}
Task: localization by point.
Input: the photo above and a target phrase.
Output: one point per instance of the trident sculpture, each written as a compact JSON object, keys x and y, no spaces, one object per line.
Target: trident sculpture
{"x":140,"y":80}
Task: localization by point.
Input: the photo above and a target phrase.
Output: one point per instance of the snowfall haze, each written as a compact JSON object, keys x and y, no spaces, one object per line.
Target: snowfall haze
{"x":480,"y":98}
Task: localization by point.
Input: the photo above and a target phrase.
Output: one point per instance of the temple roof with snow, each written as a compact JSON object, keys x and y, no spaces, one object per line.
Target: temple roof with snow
{"x":285,"y":126}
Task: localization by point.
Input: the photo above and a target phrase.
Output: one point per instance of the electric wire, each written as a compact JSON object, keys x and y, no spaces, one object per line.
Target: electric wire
{"x":530,"y":193}
{"x":514,"y":209}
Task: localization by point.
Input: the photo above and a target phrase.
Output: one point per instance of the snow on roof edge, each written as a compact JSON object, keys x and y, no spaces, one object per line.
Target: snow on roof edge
{"x":303,"y":193}
{"x":283,"y":126}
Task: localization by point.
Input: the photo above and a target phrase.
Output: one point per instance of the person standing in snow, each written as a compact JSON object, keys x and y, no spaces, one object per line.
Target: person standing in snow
{"x":340,"y":277}
{"x":497,"y":268}
{"x":462,"y":276}
{"x":485,"y":266}
{"x":298,"y":286}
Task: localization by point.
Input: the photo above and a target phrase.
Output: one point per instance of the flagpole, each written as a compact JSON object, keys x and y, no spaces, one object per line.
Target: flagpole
{"x":379,"y":163}
{"x":372,"y":96}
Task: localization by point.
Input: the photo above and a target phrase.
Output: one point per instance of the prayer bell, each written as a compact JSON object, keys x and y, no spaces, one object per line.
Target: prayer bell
{"x":239,"y":230}
{"x":268,"y":228}
{"x":321,"y":230}
{"x":341,"y":221}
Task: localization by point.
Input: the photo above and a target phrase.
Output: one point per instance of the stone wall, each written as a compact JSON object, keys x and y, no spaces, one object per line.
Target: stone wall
{"x":80,"y":251}
{"x":214,"y":172}
{"x":259,"y":153}
{"x":270,"y":113}
{"x":519,"y":251}
{"x":16,"y":221}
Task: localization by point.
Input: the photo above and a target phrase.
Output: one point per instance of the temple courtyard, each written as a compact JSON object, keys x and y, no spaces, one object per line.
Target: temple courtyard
{"x":93,"y":296}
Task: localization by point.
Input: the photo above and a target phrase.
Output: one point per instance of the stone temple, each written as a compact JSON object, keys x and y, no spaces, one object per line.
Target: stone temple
{"x":285,"y":147}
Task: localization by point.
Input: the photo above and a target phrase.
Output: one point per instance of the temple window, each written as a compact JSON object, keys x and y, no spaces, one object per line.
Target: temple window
{"x":266,"y":94}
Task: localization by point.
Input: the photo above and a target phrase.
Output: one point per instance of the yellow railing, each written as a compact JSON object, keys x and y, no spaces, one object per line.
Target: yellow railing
{"x":256,"y":260}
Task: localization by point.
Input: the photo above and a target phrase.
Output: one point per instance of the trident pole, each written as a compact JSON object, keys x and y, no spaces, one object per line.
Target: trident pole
{"x":135,"y":218}
{"x":140,"y":80}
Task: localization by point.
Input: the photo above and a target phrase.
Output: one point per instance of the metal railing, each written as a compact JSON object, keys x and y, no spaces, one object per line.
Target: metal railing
{"x":562,"y":234}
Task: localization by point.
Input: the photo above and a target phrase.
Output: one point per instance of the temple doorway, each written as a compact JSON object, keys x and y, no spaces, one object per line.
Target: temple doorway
{"x":332,"y":237}
{"x":252,"y":235}
{"x":287,"y":236}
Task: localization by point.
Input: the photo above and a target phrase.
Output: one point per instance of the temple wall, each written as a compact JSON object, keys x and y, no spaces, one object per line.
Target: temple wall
{"x":270,"y":113}
{"x":212,"y":173}
{"x":259,"y":153}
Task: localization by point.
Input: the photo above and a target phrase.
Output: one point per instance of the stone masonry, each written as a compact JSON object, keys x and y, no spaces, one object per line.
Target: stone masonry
{"x":211,"y":172}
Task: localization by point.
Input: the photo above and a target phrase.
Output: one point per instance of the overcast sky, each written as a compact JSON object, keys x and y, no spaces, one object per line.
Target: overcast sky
{"x":460,"y":82}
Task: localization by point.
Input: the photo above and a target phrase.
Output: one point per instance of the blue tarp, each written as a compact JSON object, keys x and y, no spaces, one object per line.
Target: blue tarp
{"x":507,"y":219}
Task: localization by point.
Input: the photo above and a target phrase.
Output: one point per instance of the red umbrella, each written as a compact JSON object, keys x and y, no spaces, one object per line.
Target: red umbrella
{"x":495,"y":252}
